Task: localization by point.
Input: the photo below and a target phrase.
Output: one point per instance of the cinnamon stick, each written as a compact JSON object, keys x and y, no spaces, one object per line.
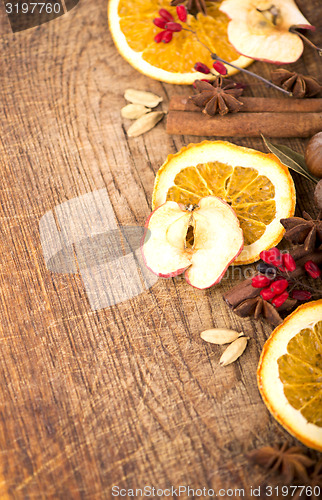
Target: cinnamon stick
{"x":240,"y":292}
{"x":256,"y":104}
{"x":271,"y":124}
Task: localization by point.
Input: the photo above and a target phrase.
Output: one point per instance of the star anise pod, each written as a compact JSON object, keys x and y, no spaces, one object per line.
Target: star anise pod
{"x":219,"y":97}
{"x":315,"y":483}
{"x":257,"y":307}
{"x":193,"y":6}
{"x":299,"y":85}
{"x":290,"y":462}
{"x":306,"y":231}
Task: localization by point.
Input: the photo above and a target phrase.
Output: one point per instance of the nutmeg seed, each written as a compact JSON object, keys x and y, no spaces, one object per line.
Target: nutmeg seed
{"x":313,"y":155}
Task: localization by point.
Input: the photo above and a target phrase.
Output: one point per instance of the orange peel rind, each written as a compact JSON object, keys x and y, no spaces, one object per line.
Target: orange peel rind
{"x":289,"y":374}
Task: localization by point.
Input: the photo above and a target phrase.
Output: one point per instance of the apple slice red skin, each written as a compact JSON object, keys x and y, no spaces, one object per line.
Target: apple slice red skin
{"x":183,"y":270}
{"x":171,"y":275}
{"x":161,"y":275}
{"x":277,"y":63}
{"x":309,"y":27}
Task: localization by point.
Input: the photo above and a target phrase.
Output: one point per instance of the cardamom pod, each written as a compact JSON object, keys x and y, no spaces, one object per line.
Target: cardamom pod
{"x":134,"y":111}
{"x":233,"y":351}
{"x":145,"y":123}
{"x":142,"y":97}
{"x":220,"y":336}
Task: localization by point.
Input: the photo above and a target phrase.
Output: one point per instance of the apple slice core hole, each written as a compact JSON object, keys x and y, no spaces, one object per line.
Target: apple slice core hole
{"x":190,"y":237}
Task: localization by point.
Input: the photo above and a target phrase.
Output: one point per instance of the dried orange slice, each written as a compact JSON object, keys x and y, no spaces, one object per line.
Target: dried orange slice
{"x":256,"y":185}
{"x":290,"y":374}
{"x":133,"y":32}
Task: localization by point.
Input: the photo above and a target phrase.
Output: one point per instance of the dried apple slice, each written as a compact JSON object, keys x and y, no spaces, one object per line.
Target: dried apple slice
{"x":260,"y":29}
{"x":201,"y":241}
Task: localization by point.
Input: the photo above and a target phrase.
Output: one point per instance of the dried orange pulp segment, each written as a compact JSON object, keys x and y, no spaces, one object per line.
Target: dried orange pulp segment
{"x":133,"y":32}
{"x":300,"y":371}
{"x":290,"y":374}
{"x":256,"y":185}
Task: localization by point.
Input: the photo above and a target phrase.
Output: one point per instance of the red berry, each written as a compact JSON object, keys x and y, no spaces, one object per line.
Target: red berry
{"x":312,"y":269}
{"x":173,"y":27}
{"x":220,"y":68}
{"x":158,"y":37}
{"x":280,"y":299}
{"x":301,"y":295}
{"x":202,"y":68}
{"x":267,"y":293}
{"x":260,"y":281}
{"x":159,"y":22}
{"x":165,"y":14}
{"x":182,"y":13}
{"x":289,"y":262}
{"x":167,"y":36}
{"x":279,"y":286}
{"x":272,"y":256}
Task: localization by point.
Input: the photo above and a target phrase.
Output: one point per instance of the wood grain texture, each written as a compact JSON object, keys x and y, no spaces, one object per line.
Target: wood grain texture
{"x":128,"y":395}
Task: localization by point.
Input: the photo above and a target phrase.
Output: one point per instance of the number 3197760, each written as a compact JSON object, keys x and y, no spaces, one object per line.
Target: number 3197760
{"x":32,"y":7}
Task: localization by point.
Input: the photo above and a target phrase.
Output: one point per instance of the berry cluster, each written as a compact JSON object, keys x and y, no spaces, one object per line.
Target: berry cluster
{"x":168,"y":24}
{"x":274,"y":277}
{"x":217,"y":65}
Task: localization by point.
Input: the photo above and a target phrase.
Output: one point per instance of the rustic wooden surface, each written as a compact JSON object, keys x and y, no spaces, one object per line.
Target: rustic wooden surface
{"x":128,"y":395}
